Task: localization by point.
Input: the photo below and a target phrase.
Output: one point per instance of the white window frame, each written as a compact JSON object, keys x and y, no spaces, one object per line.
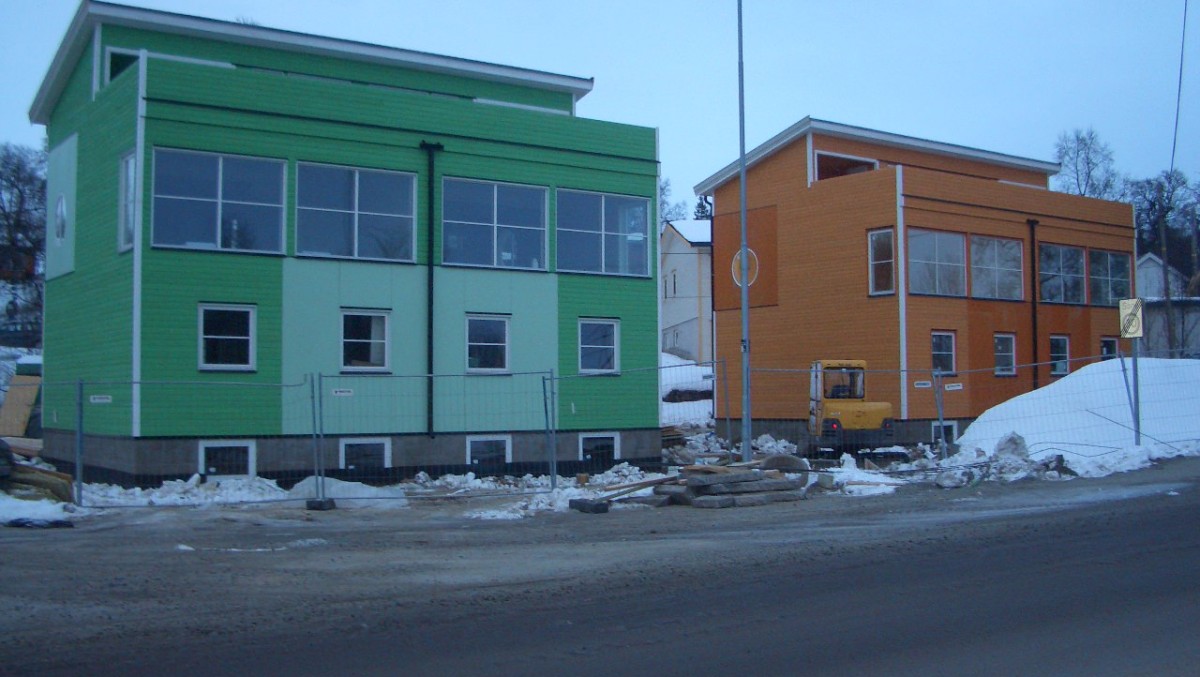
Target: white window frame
{"x":126,"y":201}
{"x":817,"y":161}
{"x":507,"y":439}
{"x":108,"y":55}
{"x":1116,"y":347}
{"x":616,"y":325}
{"x":358,"y":212}
{"x":385,"y":441}
{"x":602,"y":234}
{"x":1055,"y":369}
{"x":953,"y":352}
{"x":871,"y":262}
{"x":615,"y":436}
{"x":952,"y":426}
{"x":990,"y":268}
{"x":495,"y":224}
{"x":221,"y":201}
{"x":507,"y":368}
{"x":937,"y":264}
{"x":251,"y":457}
{"x":253,"y":338}
{"x":387,"y":340}
{"x":1012,"y":354}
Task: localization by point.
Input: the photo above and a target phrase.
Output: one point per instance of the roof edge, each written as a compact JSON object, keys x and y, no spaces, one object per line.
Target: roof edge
{"x":813,"y":125}
{"x":92,"y":13}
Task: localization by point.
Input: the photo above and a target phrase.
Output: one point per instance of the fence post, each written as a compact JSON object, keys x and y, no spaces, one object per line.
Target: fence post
{"x":941,"y":412}
{"x":79,"y":443}
{"x":1137,"y":396}
{"x":312,"y":401}
{"x":725,"y":382}
{"x":551,"y":446}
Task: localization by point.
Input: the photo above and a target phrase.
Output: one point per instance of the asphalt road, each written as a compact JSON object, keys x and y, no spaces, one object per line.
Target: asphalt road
{"x":1094,"y":577}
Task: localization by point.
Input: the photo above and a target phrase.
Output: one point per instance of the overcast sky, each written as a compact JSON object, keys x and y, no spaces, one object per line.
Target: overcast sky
{"x":1006,"y":76}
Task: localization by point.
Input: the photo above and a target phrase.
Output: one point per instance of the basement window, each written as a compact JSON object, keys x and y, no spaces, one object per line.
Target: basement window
{"x":831,"y":166}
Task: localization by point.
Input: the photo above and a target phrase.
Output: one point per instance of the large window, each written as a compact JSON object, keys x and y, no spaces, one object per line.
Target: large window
{"x":493,"y":224}
{"x":209,"y":201}
{"x":882,"y":252}
{"x":1060,"y":355}
{"x":364,"y":341}
{"x":943,"y":352}
{"x":487,"y":343}
{"x":127,"y":207}
{"x":1004,"y":347}
{"x":358,"y":213}
{"x":598,"y":346}
{"x":937,"y":263}
{"x":1108,"y":276}
{"x":226,"y":337}
{"x":600,"y":233}
{"x":1060,"y":273}
{"x":996,"y":268}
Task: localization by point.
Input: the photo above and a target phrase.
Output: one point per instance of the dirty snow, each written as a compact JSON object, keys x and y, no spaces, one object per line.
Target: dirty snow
{"x":1084,"y":417}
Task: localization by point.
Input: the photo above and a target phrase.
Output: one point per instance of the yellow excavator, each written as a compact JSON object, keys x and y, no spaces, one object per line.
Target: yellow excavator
{"x":840,"y":418}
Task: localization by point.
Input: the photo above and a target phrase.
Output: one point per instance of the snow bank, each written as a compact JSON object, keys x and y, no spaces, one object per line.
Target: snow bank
{"x":1086,"y":417}
{"x":191,"y":491}
{"x":679,"y":374}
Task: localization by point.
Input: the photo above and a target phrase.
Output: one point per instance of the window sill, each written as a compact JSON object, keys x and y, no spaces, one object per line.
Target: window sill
{"x":227,"y":368}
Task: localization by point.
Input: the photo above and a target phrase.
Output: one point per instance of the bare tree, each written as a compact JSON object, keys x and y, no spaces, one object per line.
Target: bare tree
{"x":1087,"y":166}
{"x":22,"y":227}
{"x":667,"y":210}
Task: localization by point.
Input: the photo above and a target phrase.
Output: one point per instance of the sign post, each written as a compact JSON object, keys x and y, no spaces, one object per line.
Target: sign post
{"x":1131,"y":328}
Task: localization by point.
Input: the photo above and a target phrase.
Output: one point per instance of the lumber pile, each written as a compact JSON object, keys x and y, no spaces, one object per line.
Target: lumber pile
{"x":734,"y":485}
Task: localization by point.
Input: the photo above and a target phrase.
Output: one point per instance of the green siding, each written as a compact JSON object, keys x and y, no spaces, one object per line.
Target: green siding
{"x":359,"y":72}
{"x":88,"y":317}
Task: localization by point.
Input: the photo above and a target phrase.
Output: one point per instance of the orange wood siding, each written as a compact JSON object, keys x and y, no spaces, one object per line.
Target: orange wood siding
{"x":888,"y":156}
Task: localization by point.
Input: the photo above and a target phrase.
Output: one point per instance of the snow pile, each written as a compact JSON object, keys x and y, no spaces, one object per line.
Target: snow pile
{"x":351,"y":494}
{"x":765,"y":444}
{"x":1086,"y":418}
{"x":558,"y":500}
{"x":851,"y":480}
{"x":678,"y":375}
{"x":42,"y":509}
{"x":191,"y":491}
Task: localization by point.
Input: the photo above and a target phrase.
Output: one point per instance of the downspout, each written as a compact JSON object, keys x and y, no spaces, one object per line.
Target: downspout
{"x":1033,"y":293}
{"x":431,"y":150}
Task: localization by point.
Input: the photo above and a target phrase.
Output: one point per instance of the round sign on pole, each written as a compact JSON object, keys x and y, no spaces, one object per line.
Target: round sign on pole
{"x":752,"y":271}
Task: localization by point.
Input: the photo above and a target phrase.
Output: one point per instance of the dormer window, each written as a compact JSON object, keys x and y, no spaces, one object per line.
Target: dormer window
{"x":118,"y":61}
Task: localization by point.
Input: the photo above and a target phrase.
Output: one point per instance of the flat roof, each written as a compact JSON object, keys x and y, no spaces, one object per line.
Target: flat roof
{"x":92,"y":13}
{"x":826,"y":128}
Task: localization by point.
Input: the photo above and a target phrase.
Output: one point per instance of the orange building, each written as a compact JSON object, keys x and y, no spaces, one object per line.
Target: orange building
{"x":915,"y":256}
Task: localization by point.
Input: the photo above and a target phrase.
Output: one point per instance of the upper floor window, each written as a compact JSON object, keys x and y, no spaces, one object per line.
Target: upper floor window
{"x":937,"y":263}
{"x":493,"y":224}
{"x":1108,"y":277}
{"x":831,"y":165}
{"x":600,"y":233}
{"x":1060,"y":273}
{"x":882,"y":252}
{"x":996,"y":268}
{"x":358,"y":213}
{"x":211,"y":201}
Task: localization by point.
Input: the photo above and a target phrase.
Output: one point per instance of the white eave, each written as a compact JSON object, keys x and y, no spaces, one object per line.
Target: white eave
{"x":824,"y":128}
{"x":91,"y":14}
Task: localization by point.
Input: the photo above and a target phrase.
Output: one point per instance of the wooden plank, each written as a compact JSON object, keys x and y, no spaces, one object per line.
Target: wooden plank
{"x":28,"y":447}
{"x":637,"y":486}
{"x":18,"y":405}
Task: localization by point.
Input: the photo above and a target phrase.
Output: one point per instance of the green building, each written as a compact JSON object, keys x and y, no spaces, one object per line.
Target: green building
{"x":259,"y":235}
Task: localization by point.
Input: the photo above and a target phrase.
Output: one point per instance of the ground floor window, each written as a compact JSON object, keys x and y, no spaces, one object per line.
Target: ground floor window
{"x":227,"y":458}
{"x":488,"y":454}
{"x":487,"y":343}
{"x":364,"y":341}
{"x":1060,"y":355}
{"x":598,"y":341}
{"x":943,"y":352}
{"x":1004,"y":346}
{"x":1108,"y":348}
{"x":226,"y":337}
{"x":600,"y":448}
{"x":361,"y":453}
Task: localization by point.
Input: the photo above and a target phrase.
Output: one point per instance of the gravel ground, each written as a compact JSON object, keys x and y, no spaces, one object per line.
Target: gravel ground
{"x":127,"y":584}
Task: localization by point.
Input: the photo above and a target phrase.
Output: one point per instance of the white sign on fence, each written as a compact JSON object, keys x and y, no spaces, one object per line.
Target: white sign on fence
{"x":100,"y":399}
{"x":343,"y":392}
{"x":923,"y":384}
{"x":954,"y":386}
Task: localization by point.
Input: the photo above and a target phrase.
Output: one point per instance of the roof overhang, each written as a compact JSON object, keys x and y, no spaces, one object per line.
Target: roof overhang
{"x":91,"y":14}
{"x":811,"y":125}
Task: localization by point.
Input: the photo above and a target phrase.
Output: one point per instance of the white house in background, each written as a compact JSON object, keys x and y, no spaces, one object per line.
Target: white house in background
{"x":1184,"y":309}
{"x":1150,"y":278}
{"x":685,"y":265}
